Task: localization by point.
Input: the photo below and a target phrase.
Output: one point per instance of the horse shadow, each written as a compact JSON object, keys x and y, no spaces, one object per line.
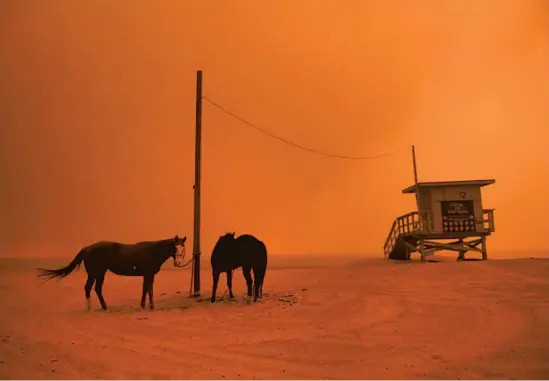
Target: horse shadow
{"x":183,"y":302}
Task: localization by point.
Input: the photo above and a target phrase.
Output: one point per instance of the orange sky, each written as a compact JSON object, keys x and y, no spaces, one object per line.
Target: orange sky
{"x":97,"y":118}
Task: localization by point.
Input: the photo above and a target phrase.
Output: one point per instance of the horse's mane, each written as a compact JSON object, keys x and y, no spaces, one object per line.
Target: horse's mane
{"x":158,"y":241}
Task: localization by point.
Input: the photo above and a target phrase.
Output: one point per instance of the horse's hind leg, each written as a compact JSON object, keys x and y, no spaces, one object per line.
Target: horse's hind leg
{"x":257,"y":284}
{"x":99,"y":290}
{"x":249,"y":282}
{"x":261,"y":281}
{"x":87,"y":289}
{"x":230,"y":283}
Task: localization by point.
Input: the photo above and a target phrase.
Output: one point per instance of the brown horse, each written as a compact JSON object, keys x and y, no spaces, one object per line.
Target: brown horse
{"x":140,"y":259}
{"x":246,"y":251}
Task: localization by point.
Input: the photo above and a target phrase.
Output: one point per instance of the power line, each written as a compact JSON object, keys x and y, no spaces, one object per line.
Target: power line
{"x":270,"y":134}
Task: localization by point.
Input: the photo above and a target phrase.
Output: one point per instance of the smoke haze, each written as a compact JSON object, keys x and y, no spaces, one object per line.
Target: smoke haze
{"x":97,"y":119}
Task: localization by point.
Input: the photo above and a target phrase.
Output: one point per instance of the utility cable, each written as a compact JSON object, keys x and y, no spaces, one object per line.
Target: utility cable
{"x":272,"y":135}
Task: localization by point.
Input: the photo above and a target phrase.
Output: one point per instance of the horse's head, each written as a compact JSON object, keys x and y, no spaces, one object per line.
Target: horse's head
{"x":224,"y":243}
{"x":179,"y":250}
{"x":227,"y":238}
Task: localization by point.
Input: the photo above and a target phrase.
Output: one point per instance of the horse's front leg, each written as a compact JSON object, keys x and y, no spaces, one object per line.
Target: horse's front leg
{"x":151,"y":286}
{"x":215,"y":276}
{"x":230,"y":283}
{"x":144,"y":293}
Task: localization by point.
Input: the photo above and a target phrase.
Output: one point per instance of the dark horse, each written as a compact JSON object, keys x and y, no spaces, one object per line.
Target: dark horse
{"x":139,"y":259}
{"x":247,"y":252}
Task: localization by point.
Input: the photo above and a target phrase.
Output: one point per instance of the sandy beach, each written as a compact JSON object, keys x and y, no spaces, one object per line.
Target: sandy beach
{"x":361,"y":319}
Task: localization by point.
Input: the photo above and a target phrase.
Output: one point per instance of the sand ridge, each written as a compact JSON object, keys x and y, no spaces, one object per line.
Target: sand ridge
{"x":369,"y":319}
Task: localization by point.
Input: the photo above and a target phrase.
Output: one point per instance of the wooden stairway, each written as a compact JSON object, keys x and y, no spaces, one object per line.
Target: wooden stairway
{"x":409,"y":229}
{"x":403,"y":231}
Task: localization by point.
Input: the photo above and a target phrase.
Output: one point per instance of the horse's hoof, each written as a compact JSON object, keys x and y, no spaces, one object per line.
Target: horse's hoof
{"x":212,"y":300}
{"x":248,"y":300}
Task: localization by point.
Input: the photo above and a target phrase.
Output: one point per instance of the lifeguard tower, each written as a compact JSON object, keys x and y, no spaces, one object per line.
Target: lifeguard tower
{"x":446,"y":211}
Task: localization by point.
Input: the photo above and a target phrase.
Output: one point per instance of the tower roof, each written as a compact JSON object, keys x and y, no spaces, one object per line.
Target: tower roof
{"x":480,"y":183}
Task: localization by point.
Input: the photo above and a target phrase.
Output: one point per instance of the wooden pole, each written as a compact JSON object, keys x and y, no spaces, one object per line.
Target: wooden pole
{"x":197,"y":173}
{"x":414,"y":161}
{"x":484,"y":250}
{"x":418,"y":203}
{"x":415,"y":176}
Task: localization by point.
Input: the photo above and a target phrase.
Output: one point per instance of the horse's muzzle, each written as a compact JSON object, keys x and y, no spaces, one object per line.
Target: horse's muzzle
{"x":179,"y":257}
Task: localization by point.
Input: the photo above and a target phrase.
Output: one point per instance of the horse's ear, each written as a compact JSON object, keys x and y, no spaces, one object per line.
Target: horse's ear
{"x":184,"y":239}
{"x":176,"y":239}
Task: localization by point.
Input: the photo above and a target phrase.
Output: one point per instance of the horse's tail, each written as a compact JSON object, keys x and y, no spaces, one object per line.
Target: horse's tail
{"x":62,"y":272}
